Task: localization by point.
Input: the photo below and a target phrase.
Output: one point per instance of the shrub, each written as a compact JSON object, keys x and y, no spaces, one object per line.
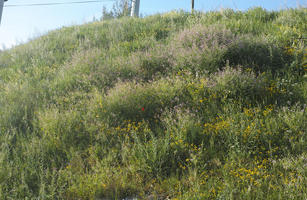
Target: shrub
{"x":135,"y":102}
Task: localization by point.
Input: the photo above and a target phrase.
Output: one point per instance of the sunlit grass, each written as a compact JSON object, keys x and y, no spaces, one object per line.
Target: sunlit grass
{"x":179,"y":106}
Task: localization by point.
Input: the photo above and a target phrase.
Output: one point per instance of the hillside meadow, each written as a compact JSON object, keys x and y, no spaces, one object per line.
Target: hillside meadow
{"x":171,"y":106}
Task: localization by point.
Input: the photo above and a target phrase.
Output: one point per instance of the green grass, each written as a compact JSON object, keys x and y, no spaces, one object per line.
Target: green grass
{"x":203,"y":106}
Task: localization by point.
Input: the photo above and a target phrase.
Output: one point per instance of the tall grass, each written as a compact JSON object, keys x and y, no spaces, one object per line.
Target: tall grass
{"x":203,"y":106}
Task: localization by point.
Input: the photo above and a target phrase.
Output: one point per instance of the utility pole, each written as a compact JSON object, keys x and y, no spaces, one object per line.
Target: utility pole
{"x":192,"y":6}
{"x":135,"y":8}
{"x":1,"y":8}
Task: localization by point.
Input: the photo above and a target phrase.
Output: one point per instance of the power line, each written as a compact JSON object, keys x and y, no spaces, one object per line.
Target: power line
{"x":56,"y":3}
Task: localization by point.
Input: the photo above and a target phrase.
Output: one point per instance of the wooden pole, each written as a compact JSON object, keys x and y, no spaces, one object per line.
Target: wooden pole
{"x":135,"y":8}
{"x":1,"y":9}
{"x":132,"y":8}
{"x":192,"y":6}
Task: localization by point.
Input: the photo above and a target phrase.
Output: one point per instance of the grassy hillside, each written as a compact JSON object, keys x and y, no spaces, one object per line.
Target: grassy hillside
{"x":180,"y":106}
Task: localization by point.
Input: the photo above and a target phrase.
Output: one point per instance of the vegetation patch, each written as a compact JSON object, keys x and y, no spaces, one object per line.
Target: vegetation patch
{"x":172,"y":106}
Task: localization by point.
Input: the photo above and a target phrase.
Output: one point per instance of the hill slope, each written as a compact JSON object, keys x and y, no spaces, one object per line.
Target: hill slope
{"x":203,"y":106}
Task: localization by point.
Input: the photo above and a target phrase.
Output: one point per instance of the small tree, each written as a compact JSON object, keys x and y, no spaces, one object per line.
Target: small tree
{"x":121,"y":8}
{"x":106,"y":14}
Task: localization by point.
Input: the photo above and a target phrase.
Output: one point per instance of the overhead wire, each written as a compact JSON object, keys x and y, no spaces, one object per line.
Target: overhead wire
{"x":57,"y":3}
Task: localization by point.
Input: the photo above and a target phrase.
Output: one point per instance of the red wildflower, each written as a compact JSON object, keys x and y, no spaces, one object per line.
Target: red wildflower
{"x":143,"y":108}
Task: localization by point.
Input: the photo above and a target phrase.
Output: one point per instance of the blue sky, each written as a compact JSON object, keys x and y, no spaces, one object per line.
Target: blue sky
{"x":20,"y":24}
